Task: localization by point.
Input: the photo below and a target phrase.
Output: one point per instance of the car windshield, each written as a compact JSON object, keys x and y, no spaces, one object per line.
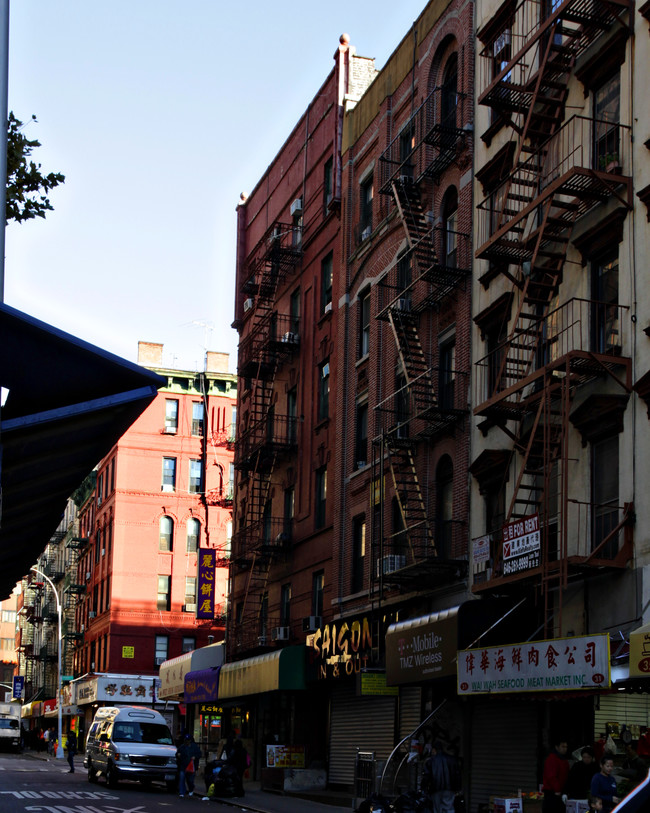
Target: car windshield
{"x":150,"y":733}
{"x":5,"y":723}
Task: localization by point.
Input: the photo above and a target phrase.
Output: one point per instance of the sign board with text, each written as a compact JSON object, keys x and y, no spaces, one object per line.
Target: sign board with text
{"x":521,"y":545}
{"x":556,"y":664}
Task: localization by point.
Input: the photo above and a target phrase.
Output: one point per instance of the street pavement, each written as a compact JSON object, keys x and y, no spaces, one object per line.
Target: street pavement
{"x":48,"y":779}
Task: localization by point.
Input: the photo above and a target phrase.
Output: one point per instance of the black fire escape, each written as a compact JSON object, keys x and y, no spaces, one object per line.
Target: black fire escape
{"x":270,"y":339}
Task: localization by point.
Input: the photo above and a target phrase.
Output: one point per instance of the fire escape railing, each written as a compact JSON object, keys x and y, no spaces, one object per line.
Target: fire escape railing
{"x":274,"y":336}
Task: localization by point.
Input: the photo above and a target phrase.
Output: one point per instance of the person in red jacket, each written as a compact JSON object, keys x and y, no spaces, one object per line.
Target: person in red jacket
{"x":556,"y":773}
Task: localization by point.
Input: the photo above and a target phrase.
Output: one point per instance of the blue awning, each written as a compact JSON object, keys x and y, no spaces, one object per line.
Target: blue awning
{"x":68,"y":404}
{"x":202,"y":686}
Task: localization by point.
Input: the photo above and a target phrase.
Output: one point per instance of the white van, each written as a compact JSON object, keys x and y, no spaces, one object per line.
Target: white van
{"x":130,"y":742}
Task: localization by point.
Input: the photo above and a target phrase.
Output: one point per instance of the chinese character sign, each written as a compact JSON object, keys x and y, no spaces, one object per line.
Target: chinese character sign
{"x":205,"y":599}
{"x":553,"y":665}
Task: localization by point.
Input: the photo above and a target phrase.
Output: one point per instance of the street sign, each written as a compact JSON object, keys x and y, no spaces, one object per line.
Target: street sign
{"x":19,"y":686}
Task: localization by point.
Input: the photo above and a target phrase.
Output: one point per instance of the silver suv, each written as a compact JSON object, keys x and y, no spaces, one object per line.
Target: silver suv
{"x":130,"y":742}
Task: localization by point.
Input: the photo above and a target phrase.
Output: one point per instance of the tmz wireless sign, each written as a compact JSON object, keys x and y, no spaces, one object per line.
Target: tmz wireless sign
{"x":521,"y":545}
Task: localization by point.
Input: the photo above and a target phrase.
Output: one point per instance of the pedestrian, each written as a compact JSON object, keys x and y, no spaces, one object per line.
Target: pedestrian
{"x":51,"y":741}
{"x":634,"y":767}
{"x":71,"y":745}
{"x":46,"y":740}
{"x":578,"y":784}
{"x":187,"y":758}
{"x":441,"y":778}
{"x":595,"y":804}
{"x":603,"y":784}
{"x":556,"y":773}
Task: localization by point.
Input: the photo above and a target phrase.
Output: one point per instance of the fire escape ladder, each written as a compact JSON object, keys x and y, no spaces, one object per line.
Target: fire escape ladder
{"x":413,"y":363}
{"x":411,"y":502}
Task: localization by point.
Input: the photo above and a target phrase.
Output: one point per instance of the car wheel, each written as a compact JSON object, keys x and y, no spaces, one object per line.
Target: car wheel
{"x":92,"y":773}
{"x":111,"y":776}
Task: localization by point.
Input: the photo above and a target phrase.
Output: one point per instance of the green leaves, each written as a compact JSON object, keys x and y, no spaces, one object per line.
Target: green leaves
{"x":26,"y":184}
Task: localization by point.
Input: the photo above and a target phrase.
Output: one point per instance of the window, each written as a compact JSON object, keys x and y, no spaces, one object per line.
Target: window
{"x":447,"y":375}
{"x":98,"y":545}
{"x":100,"y":489}
{"x":169,"y":474}
{"x":171,"y":415}
{"x":361,"y":436}
{"x":450,"y":229}
{"x":604,"y":479}
{"x":162,"y":648}
{"x":193,"y":534}
{"x":285,"y":605}
{"x":326,"y":284}
{"x":500,"y":59}
{"x":294,"y":311}
{"x":289,"y":510}
{"x":444,"y":507}
{"x":188,"y":645}
{"x":358,"y":552}
{"x":166,"y":534}
{"x":318,"y":583}
{"x":264,"y":618}
{"x":164,"y":593}
{"x":400,"y":540}
{"x":328,"y":183}
{"x":113,"y":474}
{"x":190,"y":594}
{"x":402,"y":406}
{"x":606,"y":333}
{"x":323,"y":390}
{"x":365,"y":208}
{"x":292,"y":416}
{"x":197,"y":418}
{"x":404,"y":280}
{"x":496,"y":349}
{"x":230,"y":490}
{"x":9,"y":616}
{"x":233,"y":424}
{"x":196,"y":479}
{"x":449,"y":97}
{"x":406,"y":146}
{"x":321,"y":497}
{"x":108,"y":592}
{"x":267,"y":523}
{"x":607,"y":116}
{"x":364,"y":324}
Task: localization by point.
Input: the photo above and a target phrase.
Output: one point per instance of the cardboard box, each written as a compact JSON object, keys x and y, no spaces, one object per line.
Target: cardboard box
{"x":577,"y":806}
{"x":508,"y":805}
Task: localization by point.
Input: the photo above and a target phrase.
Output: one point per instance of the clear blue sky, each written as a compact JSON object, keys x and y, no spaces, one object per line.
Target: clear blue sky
{"x":160,"y":114}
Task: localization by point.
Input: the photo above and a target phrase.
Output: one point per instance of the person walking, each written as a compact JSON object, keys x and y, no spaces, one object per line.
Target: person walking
{"x":71,"y":745}
{"x":441,"y":778}
{"x":187,"y":756}
{"x":556,"y":773}
{"x":578,"y":784}
{"x":603,"y":784}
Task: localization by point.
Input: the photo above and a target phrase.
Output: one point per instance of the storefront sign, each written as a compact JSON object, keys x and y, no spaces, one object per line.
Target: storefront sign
{"x":128,"y":652}
{"x":342,"y":648}
{"x":206,"y":588}
{"x":201,"y":685}
{"x":49,"y":705}
{"x":481,"y":549}
{"x":640,"y":652}
{"x":374,"y":683}
{"x":423,"y":648}
{"x":118,"y":689}
{"x":558,"y":664}
{"x":285,"y":756}
{"x":19,"y":686}
{"x":521,"y":545}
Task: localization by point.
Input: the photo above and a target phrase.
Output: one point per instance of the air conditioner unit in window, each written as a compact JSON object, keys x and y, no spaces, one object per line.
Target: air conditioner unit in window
{"x":169,"y":430}
{"x":92,"y":614}
{"x":390,"y":563}
{"x":248,"y":304}
{"x":328,"y":307}
{"x":189,"y":608}
{"x":403,"y":304}
{"x":280,"y":633}
{"x":160,"y":660}
{"x":296,"y":208}
{"x":167,"y":487}
{"x":261,"y":641}
{"x":290,"y":338}
{"x":82,"y":628}
{"x":311,"y":623}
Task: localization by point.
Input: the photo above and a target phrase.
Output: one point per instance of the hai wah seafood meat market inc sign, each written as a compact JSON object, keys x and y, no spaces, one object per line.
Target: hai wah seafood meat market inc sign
{"x":557,"y":664}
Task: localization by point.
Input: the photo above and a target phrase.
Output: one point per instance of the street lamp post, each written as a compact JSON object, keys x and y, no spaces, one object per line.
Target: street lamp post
{"x":59,"y":750}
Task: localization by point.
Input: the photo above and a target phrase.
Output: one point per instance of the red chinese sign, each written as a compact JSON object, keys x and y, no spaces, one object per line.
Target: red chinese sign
{"x":552,"y":665}
{"x":206,"y":588}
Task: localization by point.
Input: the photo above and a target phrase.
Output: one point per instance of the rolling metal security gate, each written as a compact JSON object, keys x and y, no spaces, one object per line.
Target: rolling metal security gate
{"x":504,"y":749}
{"x":366,"y":723}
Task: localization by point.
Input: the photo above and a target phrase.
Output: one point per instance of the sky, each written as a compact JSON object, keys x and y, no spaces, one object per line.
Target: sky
{"x":160,"y":114}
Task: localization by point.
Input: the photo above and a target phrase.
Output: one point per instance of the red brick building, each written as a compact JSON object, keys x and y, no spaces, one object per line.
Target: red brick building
{"x":162,"y":492}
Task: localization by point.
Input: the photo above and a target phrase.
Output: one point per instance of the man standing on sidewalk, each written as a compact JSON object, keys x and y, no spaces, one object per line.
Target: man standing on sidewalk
{"x":72,"y":749}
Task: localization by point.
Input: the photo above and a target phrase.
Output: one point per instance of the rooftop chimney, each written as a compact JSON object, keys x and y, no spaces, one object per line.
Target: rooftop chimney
{"x":216,"y":362}
{"x":150,"y":354}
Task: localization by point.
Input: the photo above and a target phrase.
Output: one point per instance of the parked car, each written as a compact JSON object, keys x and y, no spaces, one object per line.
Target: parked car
{"x":130,"y":742}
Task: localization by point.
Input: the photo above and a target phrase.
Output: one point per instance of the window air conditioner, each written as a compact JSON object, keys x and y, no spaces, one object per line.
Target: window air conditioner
{"x":328,"y":307}
{"x":248,"y":304}
{"x":290,"y":338}
{"x":92,"y":614}
{"x":261,"y":641}
{"x":296,"y":208}
{"x":280,"y":634}
{"x":167,"y":487}
{"x":390,"y":563}
{"x":311,"y":623}
{"x":82,"y":628}
{"x":189,"y":608}
{"x":169,"y":430}
{"x":403,"y":304}
{"x":160,"y":660}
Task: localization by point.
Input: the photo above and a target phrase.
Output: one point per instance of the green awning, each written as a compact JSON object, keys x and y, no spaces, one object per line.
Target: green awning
{"x":284,"y":669}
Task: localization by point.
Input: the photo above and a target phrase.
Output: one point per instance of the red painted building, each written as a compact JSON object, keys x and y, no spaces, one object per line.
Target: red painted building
{"x":162,"y":492}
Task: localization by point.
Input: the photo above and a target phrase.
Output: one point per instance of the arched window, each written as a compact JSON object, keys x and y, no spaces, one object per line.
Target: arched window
{"x":450,"y":228}
{"x":449,"y":93}
{"x":193,"y":535}
{"x":445,"y":507}
{"x":166,"y":536}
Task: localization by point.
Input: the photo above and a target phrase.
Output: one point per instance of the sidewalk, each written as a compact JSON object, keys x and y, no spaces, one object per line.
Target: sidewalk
{"x":255,"y":799}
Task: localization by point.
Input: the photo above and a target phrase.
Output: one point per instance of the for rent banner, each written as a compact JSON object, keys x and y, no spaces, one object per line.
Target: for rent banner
{"x":553,"y":665}
{"x":207,"y":563}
